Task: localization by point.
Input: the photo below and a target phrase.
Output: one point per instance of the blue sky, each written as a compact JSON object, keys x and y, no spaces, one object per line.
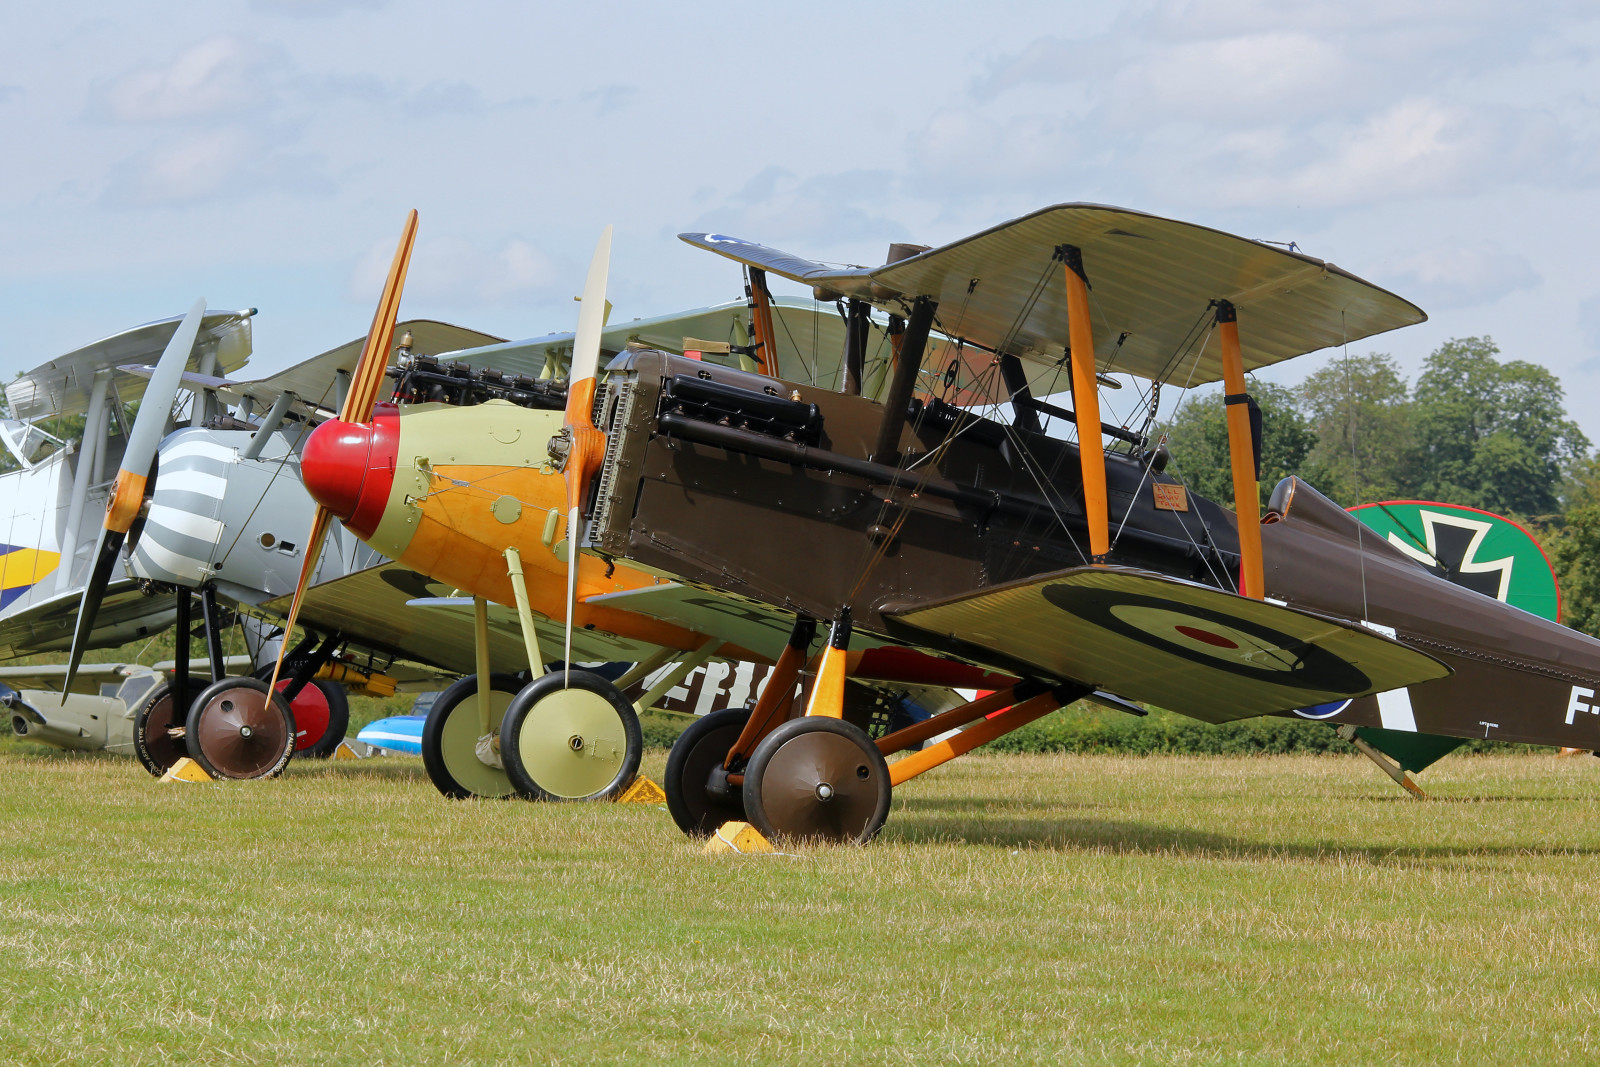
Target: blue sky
{"x":264,"y":153}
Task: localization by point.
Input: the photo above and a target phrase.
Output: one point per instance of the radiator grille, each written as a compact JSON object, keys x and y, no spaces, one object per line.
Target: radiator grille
{"x":612,"y":414}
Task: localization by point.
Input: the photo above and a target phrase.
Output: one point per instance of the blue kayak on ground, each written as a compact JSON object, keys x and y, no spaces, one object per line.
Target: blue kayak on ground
{"x":398,"y":733}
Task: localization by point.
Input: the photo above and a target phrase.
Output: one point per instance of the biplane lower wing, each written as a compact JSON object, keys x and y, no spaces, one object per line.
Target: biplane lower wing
{"x":126,"y":614}
{"x":392,"y":609}
{"x":747,"y":623}
{"x":1175,"y":644}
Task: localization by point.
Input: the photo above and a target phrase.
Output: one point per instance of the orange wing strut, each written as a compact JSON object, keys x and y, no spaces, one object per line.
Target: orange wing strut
{"x":1086,"y":402}
{"x":1241,"y":451}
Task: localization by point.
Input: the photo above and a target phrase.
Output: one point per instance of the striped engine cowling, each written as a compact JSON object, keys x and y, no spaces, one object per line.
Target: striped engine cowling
{"x":184,"y":523}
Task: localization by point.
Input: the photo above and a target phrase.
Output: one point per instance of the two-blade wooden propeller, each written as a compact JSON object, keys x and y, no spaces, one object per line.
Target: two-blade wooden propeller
{"x":129,"y":491}
{"x":587,"y":445}
{"x":586,"y":442}
{"x":359,"y":402}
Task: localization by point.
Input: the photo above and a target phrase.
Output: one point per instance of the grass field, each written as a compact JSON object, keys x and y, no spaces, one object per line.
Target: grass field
{"x":1082,"y":909}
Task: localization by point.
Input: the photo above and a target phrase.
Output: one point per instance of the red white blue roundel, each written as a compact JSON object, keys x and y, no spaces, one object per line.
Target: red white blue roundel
{"x":1217,"y":639}
{"x":1322,"y":711}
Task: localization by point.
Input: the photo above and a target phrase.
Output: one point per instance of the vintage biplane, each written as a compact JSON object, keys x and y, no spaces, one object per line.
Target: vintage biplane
{"x":477,"y":506}
{"x":215,"y":519}
{"x":932,"y":536}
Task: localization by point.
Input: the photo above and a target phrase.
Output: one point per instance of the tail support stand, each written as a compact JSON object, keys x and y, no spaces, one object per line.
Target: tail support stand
{"x":530,"y":637}
{"x":1386,"y":765}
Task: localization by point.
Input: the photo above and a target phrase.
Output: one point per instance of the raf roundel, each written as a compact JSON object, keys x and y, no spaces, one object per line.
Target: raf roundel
{"x":1201,"y":635}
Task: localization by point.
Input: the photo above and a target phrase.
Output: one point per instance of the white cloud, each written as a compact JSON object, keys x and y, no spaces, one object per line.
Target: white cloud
{"x":226,"y":163}
{"x":1463,"y":275}
{"x":824,"y":211}
{"x":455,"y":272}
{"x":218,"y":76}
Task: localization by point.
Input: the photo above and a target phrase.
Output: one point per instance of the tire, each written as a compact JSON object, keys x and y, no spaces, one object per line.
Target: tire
{"x":697,"y":752}
{"x":784,"y":783}
{"x":571,"y":737}
{"x":237,"y":729}
{"x":155,"y":749}
{"x":321,"y":711}
{"x":450,"y":734}
{"x":333,"y":713}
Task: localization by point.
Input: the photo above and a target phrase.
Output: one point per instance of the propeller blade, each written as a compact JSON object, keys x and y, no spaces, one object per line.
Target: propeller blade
{"x":368,"y":376}
{"x":586,"y":344}
{"x":105,"y":558}
{"x":358,"y":405}
{"x":319,"y":534}
{"x":127,"y":492}
{"x":588,"y":443}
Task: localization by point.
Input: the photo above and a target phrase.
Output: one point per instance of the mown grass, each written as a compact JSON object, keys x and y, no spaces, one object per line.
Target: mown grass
{"x":1029,"y":909}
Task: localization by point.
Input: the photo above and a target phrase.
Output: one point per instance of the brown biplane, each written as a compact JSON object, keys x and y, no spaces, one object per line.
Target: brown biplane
{"x":922,"y":530}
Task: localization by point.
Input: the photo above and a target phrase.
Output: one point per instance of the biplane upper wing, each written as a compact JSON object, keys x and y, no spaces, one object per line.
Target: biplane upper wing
{"x":1152,"y":282}
{"x":62,"y":385}
{"x":809,"y":344}
{"x":312,"y":380}
{"x":1175,"y":644}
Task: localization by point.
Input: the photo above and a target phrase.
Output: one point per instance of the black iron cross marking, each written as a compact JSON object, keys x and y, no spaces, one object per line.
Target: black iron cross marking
{"x":1451,"y":553}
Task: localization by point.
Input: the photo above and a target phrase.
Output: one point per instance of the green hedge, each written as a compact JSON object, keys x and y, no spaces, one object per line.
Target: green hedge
{"x":1090,"y":729}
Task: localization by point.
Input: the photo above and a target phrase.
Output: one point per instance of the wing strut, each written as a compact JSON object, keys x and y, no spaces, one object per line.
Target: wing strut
{"x":1086,"y":402}
{"x":1242,"y":452}
{"x":766,"y":348}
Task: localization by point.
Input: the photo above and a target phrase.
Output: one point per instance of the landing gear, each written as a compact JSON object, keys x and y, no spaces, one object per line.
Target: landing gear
{"x":817,"y":778}
{"x":453,"y":731}
{"x":237,"y":729}
{"x":571,"y":736}
{"x":321,"y":710}
{"x":698,"y":803}
{"x":158,"y":727}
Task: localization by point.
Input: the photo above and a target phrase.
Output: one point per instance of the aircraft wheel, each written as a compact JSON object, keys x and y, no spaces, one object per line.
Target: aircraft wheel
{"x":321,"y":716}
{"x":817,"y":778}
{"x":698,"y":752}
{"x":571,"y":740}
{"x":156,"y":749}
{"x":450,"y":739}
{"x":236,"y":729}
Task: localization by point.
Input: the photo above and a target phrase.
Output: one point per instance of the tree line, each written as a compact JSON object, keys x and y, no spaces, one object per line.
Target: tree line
{"x":1473,"y":429}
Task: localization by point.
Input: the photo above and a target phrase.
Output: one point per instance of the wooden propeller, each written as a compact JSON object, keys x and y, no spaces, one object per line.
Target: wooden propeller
{"x":359,"y":402}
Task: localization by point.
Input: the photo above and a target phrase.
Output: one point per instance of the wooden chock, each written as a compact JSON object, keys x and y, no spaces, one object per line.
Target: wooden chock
{"x":736,"y":838}
{"x":643,"y":791}
{"x":186,"y":770}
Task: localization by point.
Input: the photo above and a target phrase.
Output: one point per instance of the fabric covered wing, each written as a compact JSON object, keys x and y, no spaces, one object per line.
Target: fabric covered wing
{"x":1181,"y":646}
{"x":1152,"y":279}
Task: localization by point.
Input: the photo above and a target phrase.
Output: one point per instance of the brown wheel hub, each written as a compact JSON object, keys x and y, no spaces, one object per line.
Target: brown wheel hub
{"x":817,"y":778}
{"x":236,"y":731}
